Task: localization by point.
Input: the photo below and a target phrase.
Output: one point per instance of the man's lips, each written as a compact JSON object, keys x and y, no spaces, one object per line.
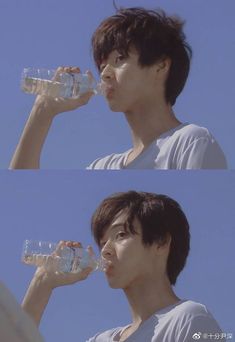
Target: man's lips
{"x":107,"y":265}
{"x":107,"y":89}
{"x":109,"y":270}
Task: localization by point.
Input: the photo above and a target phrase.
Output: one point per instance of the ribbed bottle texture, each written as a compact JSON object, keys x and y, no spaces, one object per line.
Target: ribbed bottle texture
{"x":59,"y":258}
{"x":54,"y":84}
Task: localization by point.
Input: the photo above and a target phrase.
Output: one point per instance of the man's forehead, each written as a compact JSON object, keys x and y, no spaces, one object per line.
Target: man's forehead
{"x":120,"y":217}
{"x":113,"y":53}
{"x":118,"y":221}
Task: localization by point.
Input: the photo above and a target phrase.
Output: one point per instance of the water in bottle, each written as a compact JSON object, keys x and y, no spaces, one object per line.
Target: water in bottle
{"x":54,"y":84}
{"x":55,"y":257}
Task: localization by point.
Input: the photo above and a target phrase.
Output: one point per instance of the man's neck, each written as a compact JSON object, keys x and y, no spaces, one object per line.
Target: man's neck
{"x":148,"y":123}
{"x":148,"y":298}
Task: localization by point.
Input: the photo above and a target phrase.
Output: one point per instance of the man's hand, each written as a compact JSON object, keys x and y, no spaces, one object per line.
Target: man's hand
{"x":44,"y":281}
{"x":28,"y":151}
{"x":52,"y":278}
{"x":53,"y":106}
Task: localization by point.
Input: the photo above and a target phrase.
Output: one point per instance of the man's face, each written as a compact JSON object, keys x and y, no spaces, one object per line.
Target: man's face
{"x":128,"y":86}
{"x":130,"y":262}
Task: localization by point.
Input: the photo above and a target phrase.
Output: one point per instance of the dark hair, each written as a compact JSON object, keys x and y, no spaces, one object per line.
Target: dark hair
{"x":154,"y":35}
{"x":159,"y":216}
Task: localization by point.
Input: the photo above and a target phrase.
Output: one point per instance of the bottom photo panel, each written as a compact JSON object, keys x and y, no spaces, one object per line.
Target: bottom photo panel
{"x":117,"y":256}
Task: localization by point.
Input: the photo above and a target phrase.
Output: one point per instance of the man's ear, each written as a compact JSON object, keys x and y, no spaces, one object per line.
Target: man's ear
{"x":164,"y":243}
{"x":163,"y":65}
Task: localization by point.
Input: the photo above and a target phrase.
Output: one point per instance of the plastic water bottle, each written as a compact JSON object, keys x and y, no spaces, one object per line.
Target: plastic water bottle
{"x":54,"y":257}
{"x":54,"y":84}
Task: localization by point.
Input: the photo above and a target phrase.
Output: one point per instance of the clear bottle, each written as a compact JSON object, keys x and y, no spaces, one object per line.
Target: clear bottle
{"x":54,"y":84}
{"x":54,"y":257}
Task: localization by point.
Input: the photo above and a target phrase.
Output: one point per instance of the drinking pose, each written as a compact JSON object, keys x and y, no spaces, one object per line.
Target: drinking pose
{"x":144,"y":61}
{"x":145,"y":240}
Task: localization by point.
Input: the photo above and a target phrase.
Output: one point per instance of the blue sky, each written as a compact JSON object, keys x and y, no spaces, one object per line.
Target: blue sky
{"x":55,"y":205}
{"x":49,"y":33}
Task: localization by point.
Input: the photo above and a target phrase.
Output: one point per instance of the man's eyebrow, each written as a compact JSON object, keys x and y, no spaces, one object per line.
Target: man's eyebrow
{"x":115,"y":225}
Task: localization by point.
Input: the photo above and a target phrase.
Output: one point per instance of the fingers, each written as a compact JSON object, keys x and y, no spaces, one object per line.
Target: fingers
{"x":69,"y":243}
{"x":74,"y":244}
{"x":90,"y":251}
{"x":90,"y":75}
{"x":68,"y":69}
{"x":71,"y":70}
{"x":51,"y":266}
{"x":58,"y":253}
{"x":65,"y":243}
{"x":65,"y":69}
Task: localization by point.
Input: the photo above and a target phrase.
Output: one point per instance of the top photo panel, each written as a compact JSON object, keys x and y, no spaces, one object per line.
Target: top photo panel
{"x":117,"y":85}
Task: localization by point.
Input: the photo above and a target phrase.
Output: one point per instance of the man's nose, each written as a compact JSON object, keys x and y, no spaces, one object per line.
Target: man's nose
{"x":107,"y":73}
{"x":107,"y":250}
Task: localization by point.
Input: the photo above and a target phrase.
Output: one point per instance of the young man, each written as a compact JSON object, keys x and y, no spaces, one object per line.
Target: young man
{"x":144,"y":239}
{"x":144,"y":61}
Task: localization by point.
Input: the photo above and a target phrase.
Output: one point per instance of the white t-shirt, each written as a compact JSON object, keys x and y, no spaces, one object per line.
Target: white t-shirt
{"x":187,"y":146}
{"x":15,"y":324}
{"x":181,"y":322}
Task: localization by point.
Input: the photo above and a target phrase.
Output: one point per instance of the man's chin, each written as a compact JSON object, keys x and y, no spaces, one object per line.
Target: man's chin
{"x":114,"y":284}
{"x":114,"y":287}
{"x":115,"y":109}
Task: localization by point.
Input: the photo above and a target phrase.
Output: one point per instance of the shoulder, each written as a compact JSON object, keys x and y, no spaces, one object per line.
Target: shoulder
{"x":112,"y":161}
{"x":190,"y":308}
{"x":193,"y":316}
{"x":193,"y":132}
{"x":186,"y":310}
{"x":104,"y":336}
{"x":196,"y":148}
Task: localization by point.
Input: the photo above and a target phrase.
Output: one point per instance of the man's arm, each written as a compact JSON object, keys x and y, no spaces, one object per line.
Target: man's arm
{"x":37,"y":297}
{"x":28,"y":150}
{"x":43,"y":284}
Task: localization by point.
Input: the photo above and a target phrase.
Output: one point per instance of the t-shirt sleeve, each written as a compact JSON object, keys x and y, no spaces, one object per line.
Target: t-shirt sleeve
{"x":110,"y":162}
{"x":201,"y":328}
{"x":92,"y":339}
{"x":101,"y":163}
{"x":104,"y":336}
{"x":203,"y":153}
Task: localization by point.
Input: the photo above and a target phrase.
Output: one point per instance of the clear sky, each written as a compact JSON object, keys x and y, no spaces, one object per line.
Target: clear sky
{"x":55,"y":205}
{"x":50,"y":33}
